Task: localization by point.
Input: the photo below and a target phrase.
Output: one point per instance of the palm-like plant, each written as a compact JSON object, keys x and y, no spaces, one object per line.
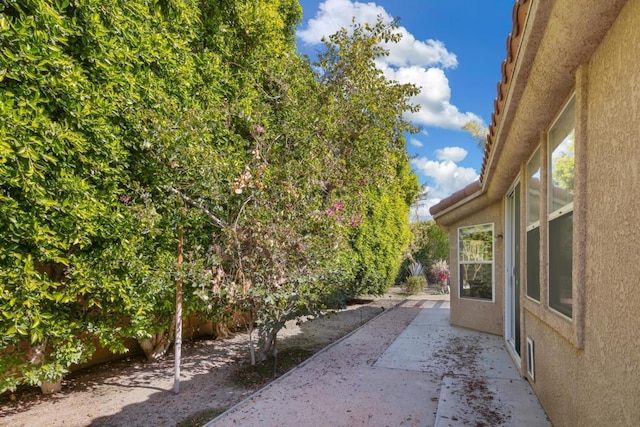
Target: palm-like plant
{"x":415,"y":269}
{"x":416,"y":281}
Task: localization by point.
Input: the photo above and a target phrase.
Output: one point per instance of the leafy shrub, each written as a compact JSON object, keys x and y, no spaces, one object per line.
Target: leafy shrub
{"x":428,"y":244}
{"x":121,"y":122}
{"x":415,"y":284}
{"x":378,"y":243}
{"x":440,"y":272}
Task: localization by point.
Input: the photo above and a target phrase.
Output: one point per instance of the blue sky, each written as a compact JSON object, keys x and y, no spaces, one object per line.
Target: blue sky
{"x":452,"y":49}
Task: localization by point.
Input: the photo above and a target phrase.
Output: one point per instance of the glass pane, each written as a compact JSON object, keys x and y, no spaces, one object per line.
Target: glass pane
{"x":476,"y":281}
{"x":476,"y":243}
{"x":533,"y":263}
{"x":516,"y":268}
{"x":533,"y":188}
{"x":561,"y":149}
{"x":560,"y":258}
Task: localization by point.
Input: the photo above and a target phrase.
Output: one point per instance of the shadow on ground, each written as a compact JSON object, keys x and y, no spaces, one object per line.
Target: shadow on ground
{"x":133,"y":392}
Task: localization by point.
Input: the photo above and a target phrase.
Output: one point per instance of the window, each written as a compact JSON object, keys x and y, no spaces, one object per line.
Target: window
{"x":560,"y":210}
{"x":475,"y":246}
{"x":533,"y":226}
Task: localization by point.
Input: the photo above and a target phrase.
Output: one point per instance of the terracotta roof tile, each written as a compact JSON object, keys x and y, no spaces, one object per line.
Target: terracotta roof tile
{"x":519,"y":15}
{"x":459,"y":195}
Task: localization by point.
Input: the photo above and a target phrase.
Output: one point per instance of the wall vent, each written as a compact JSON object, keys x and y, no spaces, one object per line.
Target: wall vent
{"x":530,"y":359}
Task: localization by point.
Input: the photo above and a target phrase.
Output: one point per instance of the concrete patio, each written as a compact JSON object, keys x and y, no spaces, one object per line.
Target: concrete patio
{"x":406,"y":367}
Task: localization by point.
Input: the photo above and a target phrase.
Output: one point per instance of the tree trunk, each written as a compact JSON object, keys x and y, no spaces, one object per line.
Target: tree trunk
{"x":221,"y":330}
{"x":156,"y":346}
{"x":266,"y":344}
{"x":178,"y":319}
{"x":50,"y":388}
{"x":252,"y":350}
{"x":35,"y":355}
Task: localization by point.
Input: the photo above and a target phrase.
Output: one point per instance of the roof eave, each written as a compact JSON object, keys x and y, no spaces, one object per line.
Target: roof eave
{"x":549,"y":42}
{"x":462,"y":209}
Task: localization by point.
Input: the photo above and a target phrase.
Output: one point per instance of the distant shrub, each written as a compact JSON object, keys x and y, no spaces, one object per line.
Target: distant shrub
{"x":440,"y":271}
{"x":415,"y":284}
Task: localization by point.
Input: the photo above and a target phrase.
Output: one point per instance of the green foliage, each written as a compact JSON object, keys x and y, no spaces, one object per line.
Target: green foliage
{"x":121,"y":121}
{"x":429,"y":243}
{"x":364,"y":150}
{"x":61,"y":168}
{"x":415,"y":284}
{"x":89,"y":241}
{"x":564,"y":166}
{"x":416,"y":280}
{"x":379,"y":242}
{"x":319,"y":210}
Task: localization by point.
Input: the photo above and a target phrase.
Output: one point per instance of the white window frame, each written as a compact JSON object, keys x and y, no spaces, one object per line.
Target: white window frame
{"x":563,"y":210}
{"x":532,"y":225}
{"x":492,"y":262}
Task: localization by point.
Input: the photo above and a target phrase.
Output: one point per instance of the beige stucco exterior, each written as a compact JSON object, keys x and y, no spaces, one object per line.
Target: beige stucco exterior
{"x":483,"y":315}
{"x":587,"y":368}
{"x":600,"y":383}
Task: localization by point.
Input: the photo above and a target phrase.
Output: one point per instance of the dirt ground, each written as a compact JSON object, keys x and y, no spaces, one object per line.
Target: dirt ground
{"x":215,"y":375}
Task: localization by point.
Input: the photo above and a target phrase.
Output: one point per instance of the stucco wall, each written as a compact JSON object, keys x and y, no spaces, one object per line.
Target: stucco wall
{"x":486,"y":316}
{"x":599,"y":384}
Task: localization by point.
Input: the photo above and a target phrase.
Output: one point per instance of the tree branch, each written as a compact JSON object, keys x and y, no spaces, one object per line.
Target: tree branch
{"x":235,"y":224}
{"x":189,"y":201}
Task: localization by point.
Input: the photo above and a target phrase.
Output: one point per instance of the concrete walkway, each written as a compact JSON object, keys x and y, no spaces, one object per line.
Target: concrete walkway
{"x":406,"y":367}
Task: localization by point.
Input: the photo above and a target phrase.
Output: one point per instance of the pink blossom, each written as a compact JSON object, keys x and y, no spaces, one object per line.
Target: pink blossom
{"x":260,"y":129}
{"x":124,"y":198}
{"x":329,"y":212}
{"x":337,"y":206}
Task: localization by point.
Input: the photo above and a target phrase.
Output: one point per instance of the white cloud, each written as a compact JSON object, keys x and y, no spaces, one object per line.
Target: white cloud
{"x":446,"y":177}
{"x":409,"y":51}
{"x":336,"y":14}
{"x":423,"y":63}
{"x":415,"y":143}
{"x":409,"y":61}
{"x":454,"y":154}
{"x":420,"y":210}
{"x":434,"y":97}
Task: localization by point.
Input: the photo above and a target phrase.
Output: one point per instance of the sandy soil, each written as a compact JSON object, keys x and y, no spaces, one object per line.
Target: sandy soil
{"x":132,"y":392}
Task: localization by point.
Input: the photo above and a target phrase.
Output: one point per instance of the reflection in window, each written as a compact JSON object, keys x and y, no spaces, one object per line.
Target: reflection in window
{"x":533,"y":226}
{"x":533,"y":189}
{"x":562,"y":171}
{"x":561,"y":175}
{"x":475,"y":246}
